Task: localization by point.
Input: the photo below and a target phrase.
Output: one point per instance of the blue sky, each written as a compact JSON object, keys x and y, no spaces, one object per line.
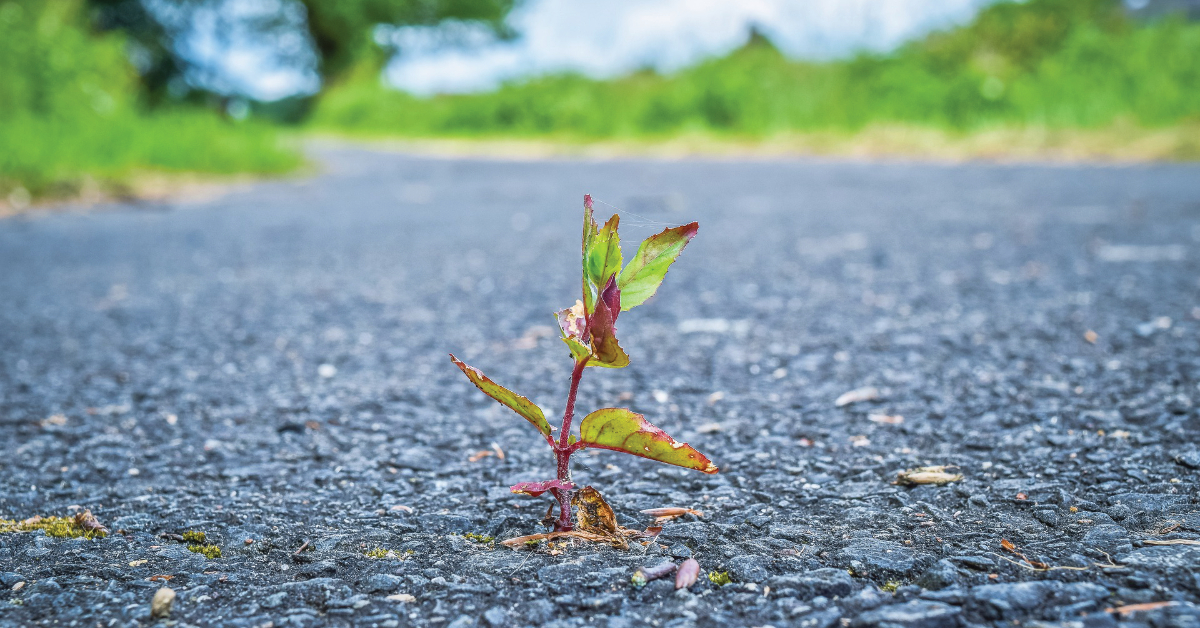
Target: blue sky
{"x":600,"y":39}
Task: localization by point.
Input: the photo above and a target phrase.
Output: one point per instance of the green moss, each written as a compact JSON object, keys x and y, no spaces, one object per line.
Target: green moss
{"x":719,"y":578}
{"x":384,"y":553}
{"x":891,"y":585}
{"x":209,"y":551}
{"x":479,"y":538}
{"x":59,"y":527}
{"x":192,"y":536}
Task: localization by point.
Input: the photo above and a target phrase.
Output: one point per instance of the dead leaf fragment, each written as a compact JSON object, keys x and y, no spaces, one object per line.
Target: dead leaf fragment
{"x":886,"y":419}
{"x":662,"y":515}
{"x":162,"y":577}
{"x":138,"y":563}
{"x":688,"y":572}
{"x":480,"y":455}
{"x":401,"y":597}
{"x":1091,"y":336}
{"x":89,"y":523}
{"x":867,"y":393}
{"x":1133,"y":608}
{"x":927,"y":475}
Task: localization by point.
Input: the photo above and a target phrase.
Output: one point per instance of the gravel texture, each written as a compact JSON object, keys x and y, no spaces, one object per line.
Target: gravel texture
{"x":270,"y":369}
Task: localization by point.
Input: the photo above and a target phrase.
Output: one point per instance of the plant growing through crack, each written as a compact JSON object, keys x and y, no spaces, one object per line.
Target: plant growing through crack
{"x":610,"y":286}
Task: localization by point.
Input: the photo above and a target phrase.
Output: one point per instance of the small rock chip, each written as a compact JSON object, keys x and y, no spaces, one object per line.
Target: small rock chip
{"x":866,"y":393}
{"x":18,"y":586}
{"x":136,"y":563}
{"x":926,"y":475}
{"x":401,"y":597}
{"x":160,"y":606}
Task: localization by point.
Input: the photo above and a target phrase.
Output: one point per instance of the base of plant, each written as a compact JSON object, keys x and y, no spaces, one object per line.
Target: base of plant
{"x":595,"y":522}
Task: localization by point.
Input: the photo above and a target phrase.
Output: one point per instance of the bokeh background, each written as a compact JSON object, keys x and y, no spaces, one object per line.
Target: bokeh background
{"x":97,"y":96}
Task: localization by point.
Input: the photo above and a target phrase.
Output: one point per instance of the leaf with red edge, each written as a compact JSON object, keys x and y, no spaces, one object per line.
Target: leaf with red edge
{"x":517,"y":403}
{"x":620,"y":429}
{"x":535,"y":489}
{"x":641,"y":277}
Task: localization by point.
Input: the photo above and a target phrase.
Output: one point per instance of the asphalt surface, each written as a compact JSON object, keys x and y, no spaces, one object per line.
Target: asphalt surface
{"x":270,"y":368}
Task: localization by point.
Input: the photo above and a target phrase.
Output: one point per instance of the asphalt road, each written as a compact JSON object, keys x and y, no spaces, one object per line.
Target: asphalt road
{"x":270,"y":368}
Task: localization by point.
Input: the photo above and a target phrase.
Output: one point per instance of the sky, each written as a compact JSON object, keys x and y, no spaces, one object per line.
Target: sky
{"x":605,"y":39}
{"x":598,"y":39}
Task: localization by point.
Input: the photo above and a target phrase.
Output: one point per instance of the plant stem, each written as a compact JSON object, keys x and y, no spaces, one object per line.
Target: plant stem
{"x":563,"y":450}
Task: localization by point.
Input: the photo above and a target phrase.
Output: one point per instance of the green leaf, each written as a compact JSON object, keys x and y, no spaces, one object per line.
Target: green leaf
{"x":620,"y":429}
{"x":604,"y":253}
{"x":641,"y":277}
{"x":519,"y":404}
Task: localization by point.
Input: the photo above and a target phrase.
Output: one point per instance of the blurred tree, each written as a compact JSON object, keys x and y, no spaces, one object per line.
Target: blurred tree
{"x":341,"y":31}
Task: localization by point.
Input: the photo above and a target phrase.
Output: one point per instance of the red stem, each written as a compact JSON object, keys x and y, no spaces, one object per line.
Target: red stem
{"x":563,"y":450}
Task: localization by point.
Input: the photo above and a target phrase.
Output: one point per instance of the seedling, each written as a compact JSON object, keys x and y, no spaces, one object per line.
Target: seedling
{"x":610,"y":287}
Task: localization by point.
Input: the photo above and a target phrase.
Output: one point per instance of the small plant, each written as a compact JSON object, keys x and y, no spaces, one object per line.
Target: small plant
{"x":610,"y":286}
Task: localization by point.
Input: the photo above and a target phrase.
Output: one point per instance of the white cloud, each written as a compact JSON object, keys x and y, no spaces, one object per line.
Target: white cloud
{"x":604,"y":39}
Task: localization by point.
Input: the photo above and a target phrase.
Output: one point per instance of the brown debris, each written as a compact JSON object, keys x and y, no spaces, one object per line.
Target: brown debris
{"x":1172,"y":542}
{"x":89,"y":523}
{"x":687,"y":574}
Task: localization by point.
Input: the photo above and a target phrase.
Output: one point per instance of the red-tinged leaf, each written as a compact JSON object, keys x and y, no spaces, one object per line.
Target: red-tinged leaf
{"x":603,"y":330}
{"x":644,"y":273}
{"x":620,"y":429}
{"x":535,"y":489}
{"x":688,"y":572}
{"x":517,"y":403}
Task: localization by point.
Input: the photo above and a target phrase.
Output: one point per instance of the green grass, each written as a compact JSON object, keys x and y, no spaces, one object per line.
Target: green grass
{"x":70,"y":117}
{"x":47,"y":157}
{"x":1068,"y":68}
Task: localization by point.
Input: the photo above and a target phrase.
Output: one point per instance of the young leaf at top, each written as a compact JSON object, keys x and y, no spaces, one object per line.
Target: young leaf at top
{"x":620,"y":429}
{"x":604,"y":255}
{"x":641,"y":277}
{"x":519,"y":404}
